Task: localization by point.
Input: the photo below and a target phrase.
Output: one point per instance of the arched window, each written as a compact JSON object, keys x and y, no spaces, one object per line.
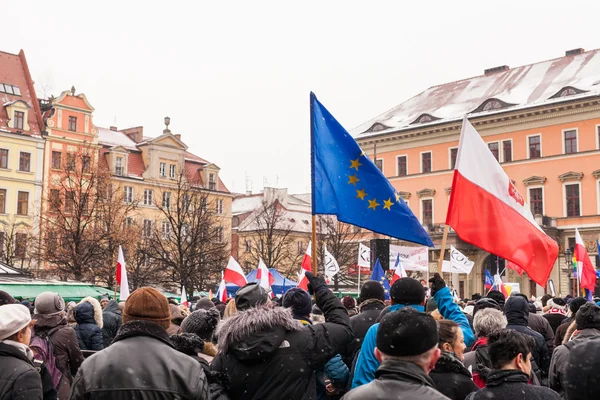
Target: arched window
{"x":424,"y":118}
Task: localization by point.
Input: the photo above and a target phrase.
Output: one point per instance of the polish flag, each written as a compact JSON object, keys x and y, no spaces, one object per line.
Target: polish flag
{"x":222,"y":291}
{"x":302,"y":280}
{"x":234,"y":273}
{"x":122,"y":276}
{"x":307,"y":260}
{"x":487,"y":211}
{"x":585,"y":269}
{"x":264,"y":276}
{"x":499,"y":285}
{"x":184,"y":299}
{"x":514,"y":267}
{"x":399,"y":271}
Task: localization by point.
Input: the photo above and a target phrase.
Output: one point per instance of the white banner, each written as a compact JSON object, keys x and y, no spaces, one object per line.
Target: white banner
{"x":331,"y":265}
{"x":364,"y":256}
{"x":412,"y":258}
{"x":459,"y":263}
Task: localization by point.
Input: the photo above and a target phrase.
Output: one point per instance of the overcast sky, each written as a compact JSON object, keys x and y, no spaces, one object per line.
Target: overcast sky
{"x":235,"y":76}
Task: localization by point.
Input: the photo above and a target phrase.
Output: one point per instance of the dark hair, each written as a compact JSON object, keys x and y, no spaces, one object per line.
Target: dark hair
{"x":504,"y":345}
{"x":522,"y":295}
{"x":545,"y":299}
{"x":484,"y":303}
{"x":446,"y":331}
{"x":476,"y":296}
{"x":498,"y":296}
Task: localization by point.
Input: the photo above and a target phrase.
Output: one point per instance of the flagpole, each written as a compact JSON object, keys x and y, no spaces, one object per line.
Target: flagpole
{"x":312,"y":184}
{"x":499,"y":274}
{"x":442,"y":251}
{"x":313,"y":249}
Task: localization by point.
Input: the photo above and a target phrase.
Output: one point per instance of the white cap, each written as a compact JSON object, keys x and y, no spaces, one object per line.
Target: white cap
{"x":13,"y":318}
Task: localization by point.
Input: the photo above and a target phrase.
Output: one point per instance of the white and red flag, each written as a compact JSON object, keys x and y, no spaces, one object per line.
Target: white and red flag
{"x":222,"y":291}
{"x":264,"y":277}
{"x":234,"y":273}
{"x":122,"y":276}
{"x":487,"y":211}
{"x":399,"y":271}
{"x":184,"y":299}
{"x":307,"y":260}
{"x":585,"y":269}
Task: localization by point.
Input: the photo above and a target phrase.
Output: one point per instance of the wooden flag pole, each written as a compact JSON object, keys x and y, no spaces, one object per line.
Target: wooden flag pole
{"x":442,"y":251}
{"x":314,"y":245}
{"x":115,"y":298}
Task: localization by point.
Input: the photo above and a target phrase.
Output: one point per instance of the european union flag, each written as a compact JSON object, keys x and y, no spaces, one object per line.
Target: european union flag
{"x":489,"y":280}
{"x":379,"y":276}
{"x":347,"y":184}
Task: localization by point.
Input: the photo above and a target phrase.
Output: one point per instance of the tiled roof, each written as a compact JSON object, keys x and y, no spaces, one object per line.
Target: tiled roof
{"x":522,"y":87}
{"x":115,"y":138}
{"x":194,"y":157}
{"x":135,"y":164}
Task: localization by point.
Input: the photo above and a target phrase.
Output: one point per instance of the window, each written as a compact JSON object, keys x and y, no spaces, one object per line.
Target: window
{"x":507,"y":150}
{"x":70,"y":162}
{"x":300,"y":248}
{"x":84,"y":204}
{"x":172,"y":171}
{"x":426,"y":162}
{"x":220,"y":206}
{"x":402,"y":166}
{"x":535,"y":146}
{"x":203,"y":204}
{"x":185,"y":202}
{"x":54,"y":199}
{"x":453,"y":155}
{"x":2,"y":201}
{"x":536,"y":202}
{"x":119,"y":166}
{"x":86,"y":164}
{"x":427,"y":210}
{"x":19,"y":120}
{"x":148,"y":197}
{"x":220,"y":236}
{"x":2,"y":238}
{"x":147,"y":228}
{"x":129,"y":222}
{"x":494,"y":148}
{"x":4,"y":158}
{"x":261,"y":245}
{"x":23,"y":203}
{"x":166,"y":199}
{"x":69,"y":201}
{"x":73,"y":124}
{"x":56,"y":159}
{"x":211,"y":182}
{"x":20,"y":245}
{"x":166,"y":230}
{"x":25,"y":162}
{"x":570,"y":138}
{"x":572,"y":194}
{"x":128,"y":198}
{"x":379,"y":164}
{"x":248,"y":246}
{"x":571,"y":244}
{"x":162,"y":170}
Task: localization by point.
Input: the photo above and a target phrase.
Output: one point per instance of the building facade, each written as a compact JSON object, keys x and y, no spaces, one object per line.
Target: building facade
{"x":542,"y":123}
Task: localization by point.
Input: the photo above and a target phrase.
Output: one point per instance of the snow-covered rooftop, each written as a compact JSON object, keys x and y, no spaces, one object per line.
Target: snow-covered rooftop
{"x":522,"y":87}
{"x":115,"y":138}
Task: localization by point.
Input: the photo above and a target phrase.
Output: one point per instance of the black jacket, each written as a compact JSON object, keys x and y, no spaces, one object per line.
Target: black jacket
{"x":360,"y":324}
{"x":269,"y":355}
{"x":113,"y":320}
{"x":555,"y":320}
{"x":88,"y":332}
{"x":142,"y":364}
{"x":397,"y":380}
{"x":451,"y":378}
{"x":541,"y":325}
{"x":512,"y":385}
{"x":19,"y":379}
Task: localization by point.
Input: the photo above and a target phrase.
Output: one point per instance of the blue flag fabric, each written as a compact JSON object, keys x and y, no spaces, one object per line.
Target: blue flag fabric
{"x":489,"y":280}
{"x":379,"y":276}
{"x":347,"y":184}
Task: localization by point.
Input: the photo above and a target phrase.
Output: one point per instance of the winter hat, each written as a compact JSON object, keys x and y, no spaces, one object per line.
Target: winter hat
{"x":407,"y":332}
{"x":408,"y":291}
{"x":202,"y":322}
{"x":431,"y":305}
{"x":316,"y":310}
{"x":299,"y":301}
{"x":204,"y":304}
{"x":498,"y":296}
{"x":250,"y":295}
{"x":6,"y":298}
{"x":557,"y":303}
{"x":49,"y":303}
{"x":349,"y":302}
{"x":484,"y":303}
{"x":582,"y":375}
{"x":588,"y":317}
{"x":147,"y":304}
{"x":576,"y":303}
{"x":371,"y":290}
{"x":13,"y":318}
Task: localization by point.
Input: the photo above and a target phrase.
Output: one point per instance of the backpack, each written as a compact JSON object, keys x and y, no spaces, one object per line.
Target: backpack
{"x":43,"y":350}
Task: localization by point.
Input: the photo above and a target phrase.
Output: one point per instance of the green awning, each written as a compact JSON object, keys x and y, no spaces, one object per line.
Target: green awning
{"x":68,"y":291}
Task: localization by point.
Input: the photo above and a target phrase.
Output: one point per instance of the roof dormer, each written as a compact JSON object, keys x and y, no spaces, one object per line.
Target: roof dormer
{"x":18,"y":115}
{"x":118,"y":158}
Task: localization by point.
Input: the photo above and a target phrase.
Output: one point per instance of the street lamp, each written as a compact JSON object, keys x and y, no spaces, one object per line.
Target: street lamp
{"x":569,"y":261}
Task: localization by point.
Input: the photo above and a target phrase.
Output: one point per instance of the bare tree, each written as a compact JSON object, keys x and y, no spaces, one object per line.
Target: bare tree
{"x":15,"y":244}
{"x":142,"y":268}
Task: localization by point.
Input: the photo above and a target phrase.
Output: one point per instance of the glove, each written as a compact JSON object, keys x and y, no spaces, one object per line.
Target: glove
{"x":315,"y":283}
{"x":437,"y":283}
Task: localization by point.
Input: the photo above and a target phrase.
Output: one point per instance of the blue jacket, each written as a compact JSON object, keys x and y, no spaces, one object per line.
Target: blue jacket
{"x":88,"y":333}
{"x":367,"y":364}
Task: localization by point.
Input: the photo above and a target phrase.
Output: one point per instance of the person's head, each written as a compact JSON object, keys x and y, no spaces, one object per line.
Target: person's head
{"x":488,"y":321}
{"x":349,"y":302}
{"x":575,"y":304}
{"x":15,"y":323}
{"x":497,"y":296}
{"x":451,"y":338}
{"x":49,"y":303}
{"x":557,"y":303}
{"x":202,"y":322}
{"x":147,"y":304}
{"x":581,"y":376}
{"x":509,"y":349}
{"x":516,"y":310}
{"x":250,"y":295}
{"x":588,"y":317}
{"x":230,"y":310}
{"x":371,"y":290}
{"x":545,"y":299}
{"x":298,"y":300}
{"x":408,"y":335}
{"x":6,"y":298}
{"x":204,"y":304}
{"x":484,"y":303}
{"x":407,"y":291}
{"x":104,"y":301}
{"x":430,"y":305}
{"x":221,"y":308}
{"x":476,"y":296}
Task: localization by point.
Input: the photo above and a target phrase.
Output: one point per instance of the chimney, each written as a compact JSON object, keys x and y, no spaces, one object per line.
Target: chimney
{"x":574,"y":52}
{"x":495,"y":70}
{"x":113,"y":128}
{"x":136,"y":134}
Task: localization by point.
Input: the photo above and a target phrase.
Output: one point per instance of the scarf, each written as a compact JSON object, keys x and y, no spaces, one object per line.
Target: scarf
{"x":556,"y":311}
{"x":22,"y":347}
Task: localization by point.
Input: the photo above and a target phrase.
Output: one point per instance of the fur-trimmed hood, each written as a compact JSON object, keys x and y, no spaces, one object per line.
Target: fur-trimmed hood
{"x":253,"y":335}
{"x":83,"y":314}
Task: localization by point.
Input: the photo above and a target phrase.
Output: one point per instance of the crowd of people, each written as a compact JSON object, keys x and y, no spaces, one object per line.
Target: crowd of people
{"x":423,"y":343}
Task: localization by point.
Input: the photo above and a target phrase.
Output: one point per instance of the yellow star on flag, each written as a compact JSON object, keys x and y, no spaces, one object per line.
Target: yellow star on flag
{"x":388,"y":204}
{"x":355,"y":163}
{"x":360,"y":194}
{"x":373,"y":204}
{"x":353,"y":179}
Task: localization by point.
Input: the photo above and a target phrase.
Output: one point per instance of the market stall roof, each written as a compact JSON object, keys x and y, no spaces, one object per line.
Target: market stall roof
{"x":70,"y":291}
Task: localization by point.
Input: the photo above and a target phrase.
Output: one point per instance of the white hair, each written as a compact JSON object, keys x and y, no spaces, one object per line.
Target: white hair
{"x":421,"y":360}
{"x":487,"y":321}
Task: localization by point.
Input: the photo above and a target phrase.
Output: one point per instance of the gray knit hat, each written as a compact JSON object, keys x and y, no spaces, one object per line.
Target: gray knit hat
{"x":202,"y":322}
{"x":49,"y":303}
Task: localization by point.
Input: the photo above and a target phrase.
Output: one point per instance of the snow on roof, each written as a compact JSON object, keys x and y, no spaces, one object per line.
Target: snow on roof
{"x":244,"y":204}
{"x":295,"y":221}
{"x":115,"y":138}
{"x":527,"y":86}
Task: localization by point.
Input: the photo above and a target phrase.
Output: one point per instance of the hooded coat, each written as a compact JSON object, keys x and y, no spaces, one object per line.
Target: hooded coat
{"x":512,"y":385}
{"x":451,"y":378}
{"x":267,"y":354}
{"x":19,"y":379}
{"x":112,"y":319}
{"x":88,"y":315}
{"x":369,"y":311}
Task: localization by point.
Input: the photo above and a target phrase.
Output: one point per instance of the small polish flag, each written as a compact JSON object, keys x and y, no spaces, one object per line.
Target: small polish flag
{"x":184,"y":299}
{"x":122,"y":276}
{"x":234,"y":273}
{"x":222,"y":291}
{"x":264,"y":277}
{"x":210,"y":295}
{"x":585,"y":269}
{"x":307,"y":260}
{"x":302,"y":279}
{"x":499,"y":285}
{"x":399,"y":272}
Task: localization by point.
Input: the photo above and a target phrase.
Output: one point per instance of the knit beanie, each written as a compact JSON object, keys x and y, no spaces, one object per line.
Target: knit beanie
{"x":49,"y":303}
{"x":250,"y":295}
{"x":202,"y":322}
{"x":588,"y":317}
{"x":204,"y":304}
{"x":498,"y":296}
{"x":299,"y":301}
{"x":408,"y":291}
{"x":407,"y":332}
{"x":349,"y":302}
{"x":371,"y":290}
{"x":576,"y":303}
{"x":558,"y":303}
{"x":13,"y":318}
{"x":485,"y":302}
{"x":581,"y":376}
{"x":6,"y":298}
{"x":147,"y":304}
